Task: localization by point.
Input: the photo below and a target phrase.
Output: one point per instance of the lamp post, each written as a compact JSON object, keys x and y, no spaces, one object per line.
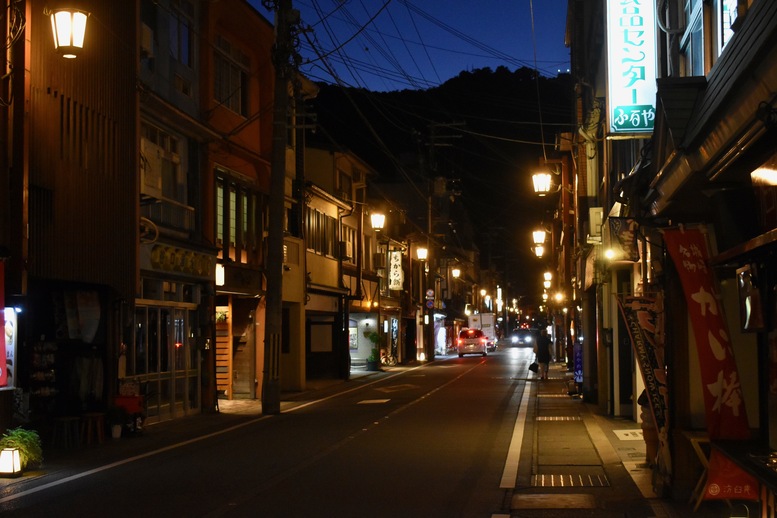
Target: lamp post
{"x":422,"y":254}
{"x":378,"y":221}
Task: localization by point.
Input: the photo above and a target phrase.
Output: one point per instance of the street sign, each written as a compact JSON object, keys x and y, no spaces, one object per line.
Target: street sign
{"x":430,"y":304}
{"x":430,"y":294}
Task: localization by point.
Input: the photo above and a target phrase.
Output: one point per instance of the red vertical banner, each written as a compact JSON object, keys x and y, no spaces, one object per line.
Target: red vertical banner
{"x":724,"y":404}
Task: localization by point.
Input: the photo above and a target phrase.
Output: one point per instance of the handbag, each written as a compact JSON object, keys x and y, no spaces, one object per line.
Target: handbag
{"x":534,"y":367}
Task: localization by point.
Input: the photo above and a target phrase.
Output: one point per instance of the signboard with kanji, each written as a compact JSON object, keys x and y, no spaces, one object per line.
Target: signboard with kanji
{"x":631,"y":65}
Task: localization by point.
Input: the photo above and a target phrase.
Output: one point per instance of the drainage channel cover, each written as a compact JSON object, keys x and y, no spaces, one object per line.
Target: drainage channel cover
{"x":559,"y":418}
{"x":570,"y":480}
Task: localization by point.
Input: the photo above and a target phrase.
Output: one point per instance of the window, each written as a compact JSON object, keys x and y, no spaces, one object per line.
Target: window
{"x":345,"y":187}
{"x":321,"y":233}
{"x":239,"y":215}
{"x":181,"y":22}
{"x":231,"y":77}
{"x":692,"y":43}
{"x":349,"y":237}
{"x":162,"y":162}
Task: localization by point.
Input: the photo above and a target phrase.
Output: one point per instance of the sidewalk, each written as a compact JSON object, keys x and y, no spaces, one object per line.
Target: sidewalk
{"x":583,"y":464}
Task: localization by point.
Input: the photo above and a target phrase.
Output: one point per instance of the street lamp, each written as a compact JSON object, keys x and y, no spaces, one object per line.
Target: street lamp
{"x":542,"y":183}
{"x":422,"y":254}
{"x":377,"y":221}
{"x":456,"y":272}
{"x":68,"y":27}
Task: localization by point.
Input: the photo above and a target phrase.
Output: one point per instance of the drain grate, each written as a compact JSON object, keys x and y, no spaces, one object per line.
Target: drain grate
{"x":559,"y":418}
{"x":547,"y":480}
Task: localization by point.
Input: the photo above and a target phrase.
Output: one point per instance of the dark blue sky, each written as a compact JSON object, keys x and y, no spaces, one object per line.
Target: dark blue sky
{"x":397,"y":44}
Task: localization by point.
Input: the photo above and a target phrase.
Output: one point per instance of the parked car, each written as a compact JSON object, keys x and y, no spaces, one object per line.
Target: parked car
{"x":522,"y":338}
{"x":472,"y":341}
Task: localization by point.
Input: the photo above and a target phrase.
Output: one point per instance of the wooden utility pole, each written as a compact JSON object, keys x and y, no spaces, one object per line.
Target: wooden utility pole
{"x":282,"y":54}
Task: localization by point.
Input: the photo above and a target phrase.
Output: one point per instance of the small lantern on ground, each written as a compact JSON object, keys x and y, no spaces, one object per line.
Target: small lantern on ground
{"x":10,"y":463}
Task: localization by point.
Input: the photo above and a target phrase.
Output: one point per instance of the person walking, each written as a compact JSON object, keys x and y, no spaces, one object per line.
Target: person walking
{"x":542,"y":350}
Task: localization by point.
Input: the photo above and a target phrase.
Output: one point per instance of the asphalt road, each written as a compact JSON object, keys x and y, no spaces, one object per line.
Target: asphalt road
{"x":426,"y":442}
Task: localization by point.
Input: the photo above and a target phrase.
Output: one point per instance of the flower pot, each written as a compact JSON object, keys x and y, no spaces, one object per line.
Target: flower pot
{"x":116,"y":431}
{"x":373,"y":365}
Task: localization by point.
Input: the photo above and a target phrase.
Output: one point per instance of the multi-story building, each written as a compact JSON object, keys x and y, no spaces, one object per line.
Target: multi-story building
{"x":683,"y":170}
{"x":137,"y":168}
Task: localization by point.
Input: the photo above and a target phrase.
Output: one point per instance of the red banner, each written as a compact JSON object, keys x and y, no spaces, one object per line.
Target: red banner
{"x":723,"y":401}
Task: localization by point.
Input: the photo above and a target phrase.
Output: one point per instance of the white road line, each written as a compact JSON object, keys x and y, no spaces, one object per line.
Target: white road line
{"x":510,"y":473}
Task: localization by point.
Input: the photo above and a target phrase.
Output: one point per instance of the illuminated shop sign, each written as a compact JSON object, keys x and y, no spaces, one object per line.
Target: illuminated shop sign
{"x":631,"y":65}
{"x":8,"y":349}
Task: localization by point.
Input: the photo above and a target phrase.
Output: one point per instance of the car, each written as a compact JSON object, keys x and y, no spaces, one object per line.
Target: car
{"x":472,"y":341}
{"x":522,"y":337}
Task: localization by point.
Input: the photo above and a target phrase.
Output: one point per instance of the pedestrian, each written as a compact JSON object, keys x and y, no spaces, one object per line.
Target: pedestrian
{"x":542,"y":350}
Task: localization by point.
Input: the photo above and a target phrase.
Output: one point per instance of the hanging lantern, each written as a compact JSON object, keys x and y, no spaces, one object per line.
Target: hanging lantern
{"x":68,"y":28}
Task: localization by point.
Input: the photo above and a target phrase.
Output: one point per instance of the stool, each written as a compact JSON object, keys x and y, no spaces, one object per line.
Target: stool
{"x":66,"y":432}
{"x":93,"y":427}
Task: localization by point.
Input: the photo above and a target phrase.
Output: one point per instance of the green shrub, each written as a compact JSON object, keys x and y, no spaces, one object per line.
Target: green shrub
{"x":28,"y":443}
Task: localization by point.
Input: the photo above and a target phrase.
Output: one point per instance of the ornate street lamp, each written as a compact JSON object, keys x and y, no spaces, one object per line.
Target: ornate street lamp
{"x":68,"y":27}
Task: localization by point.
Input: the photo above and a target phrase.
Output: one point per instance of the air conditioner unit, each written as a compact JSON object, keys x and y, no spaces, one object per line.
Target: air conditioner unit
{"x":595,"y":221}
{"x":345,"y":251}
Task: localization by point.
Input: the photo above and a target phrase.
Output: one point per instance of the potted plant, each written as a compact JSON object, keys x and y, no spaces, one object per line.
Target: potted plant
{"x":373,"y":360}
{"x":27,"y":442}
{"x":117,"y":417}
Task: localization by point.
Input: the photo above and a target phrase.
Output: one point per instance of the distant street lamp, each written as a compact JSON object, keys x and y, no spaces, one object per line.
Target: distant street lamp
{"x":456,"y":272}
{"x":377,"y":220}
{"x":69,"y":30}
{"x":422,"y":254}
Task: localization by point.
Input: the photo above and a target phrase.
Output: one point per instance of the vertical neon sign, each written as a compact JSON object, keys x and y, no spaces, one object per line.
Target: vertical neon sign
{"x":631,"y":65}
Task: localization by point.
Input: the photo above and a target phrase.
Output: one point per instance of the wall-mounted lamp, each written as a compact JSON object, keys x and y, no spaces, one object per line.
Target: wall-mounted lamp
{"x":539,"y":250}
{"x":68,"y":27}
{"x":547,"y":276}
{"x":421,"y":253}
{"x":456,"y":272}
{"x":542,"y":183}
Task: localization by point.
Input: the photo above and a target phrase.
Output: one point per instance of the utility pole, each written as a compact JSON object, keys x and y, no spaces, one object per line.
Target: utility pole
{"x":283,"y":51}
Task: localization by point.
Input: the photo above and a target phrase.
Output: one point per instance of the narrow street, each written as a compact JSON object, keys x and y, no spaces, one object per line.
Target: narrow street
{"x":458,"y":437}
